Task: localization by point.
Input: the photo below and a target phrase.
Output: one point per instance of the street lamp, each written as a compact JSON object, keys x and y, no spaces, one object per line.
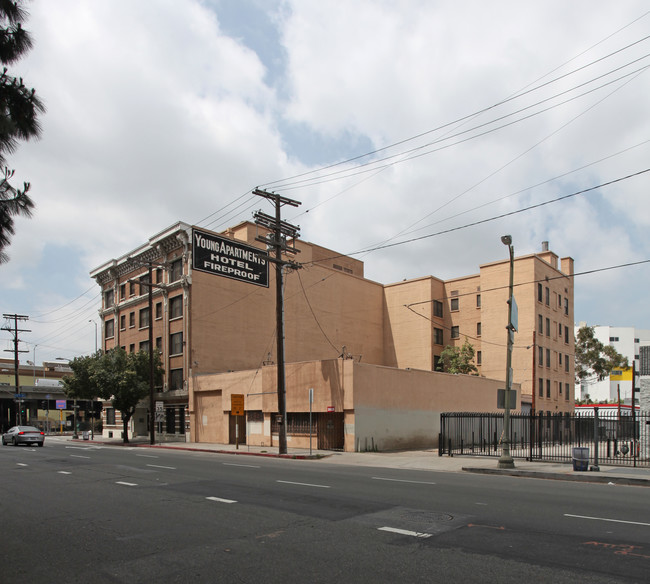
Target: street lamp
{"x":506,"y":461}
{"x":75,"y":435}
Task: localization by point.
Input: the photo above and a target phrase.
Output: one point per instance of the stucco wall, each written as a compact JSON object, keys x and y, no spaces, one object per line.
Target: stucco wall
{"x":400,"y":409}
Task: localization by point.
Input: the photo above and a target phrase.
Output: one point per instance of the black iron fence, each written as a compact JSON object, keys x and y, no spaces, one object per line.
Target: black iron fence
{"x":611,"y":438}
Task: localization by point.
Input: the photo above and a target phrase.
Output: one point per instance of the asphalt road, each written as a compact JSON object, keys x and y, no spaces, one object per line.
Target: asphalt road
{"x":97,"y":514}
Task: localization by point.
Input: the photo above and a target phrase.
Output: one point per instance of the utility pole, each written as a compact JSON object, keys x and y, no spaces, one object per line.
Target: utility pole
{"x":281,"y":232}
{"x":15,"y":331}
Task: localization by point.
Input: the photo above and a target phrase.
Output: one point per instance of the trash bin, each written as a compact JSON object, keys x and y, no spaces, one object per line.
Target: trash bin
{"x":86,"y":434}
{"x":581,"y":458}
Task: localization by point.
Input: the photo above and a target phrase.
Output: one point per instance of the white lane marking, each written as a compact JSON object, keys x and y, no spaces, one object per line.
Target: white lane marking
{"x":246,"y":465}
{"x":480,"y":503}
{"x":220,"y":500}
{"x":78,"y":456}
{"x":402,"y":481}
{"x":605,"y":519}
{"x":146,"y":456}
{"x":21,"y":464}
{"x":405,"y":532}
{"x":126,"y":484}
{"x":78,"y":447}
{"x":304,"y":484}
{"x":160,"y":466}
{"x":64,"y":472}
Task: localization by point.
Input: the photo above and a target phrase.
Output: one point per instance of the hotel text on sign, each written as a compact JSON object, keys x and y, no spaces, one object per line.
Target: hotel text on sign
{"x":226,"y":257}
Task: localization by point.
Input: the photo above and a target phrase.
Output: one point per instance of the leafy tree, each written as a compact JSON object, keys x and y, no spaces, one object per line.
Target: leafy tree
{"x":118,"y":376}
{"x":19,"y":109}
{"x":593,"y":358}
{"x":458,"y":359}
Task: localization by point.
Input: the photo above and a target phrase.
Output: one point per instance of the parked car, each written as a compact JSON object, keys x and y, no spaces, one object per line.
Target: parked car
{"x":23,"y":435}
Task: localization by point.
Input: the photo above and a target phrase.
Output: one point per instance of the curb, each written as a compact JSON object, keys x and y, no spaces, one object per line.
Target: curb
{"x":587,"y":478}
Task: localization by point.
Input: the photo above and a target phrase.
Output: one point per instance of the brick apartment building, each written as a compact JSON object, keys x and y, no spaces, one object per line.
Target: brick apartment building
{"x":219,"y":319}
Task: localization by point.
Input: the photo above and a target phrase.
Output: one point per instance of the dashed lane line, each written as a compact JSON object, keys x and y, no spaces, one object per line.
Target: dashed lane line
{"x":126,"y":484}
{"x":220,"y":500}
{"x":605,"y":519}
{"x":405,"y":532}
{"x":305,"y":484}
{"x":161,"y":466}
{"x":403,"y":481}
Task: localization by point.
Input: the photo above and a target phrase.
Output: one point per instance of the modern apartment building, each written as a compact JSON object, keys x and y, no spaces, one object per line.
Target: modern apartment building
{"x":618,"y":386}
{"x":213,"y":311}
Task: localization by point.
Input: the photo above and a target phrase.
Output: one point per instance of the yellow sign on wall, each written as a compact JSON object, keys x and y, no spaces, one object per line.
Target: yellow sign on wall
{"x":621,"y":374}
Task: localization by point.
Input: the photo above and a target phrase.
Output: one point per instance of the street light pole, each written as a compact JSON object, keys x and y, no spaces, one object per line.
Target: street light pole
{"x":92,"y":401}
{"x":506,"y":461}
{"x":75,"y":435}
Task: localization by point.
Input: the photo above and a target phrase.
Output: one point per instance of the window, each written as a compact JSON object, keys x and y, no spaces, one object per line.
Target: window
{"x":181,"y":420}
{"x":540,"y":324}
{"x":559,"y":356}
{"x":548,"y":297}
{"x":132,"y":348}
{"x":123,"y":322}
{"x":144,"y":346}
{"x":541,"y":387}
{"x":437,"y":366}
{"x":559,"y":330}
{"x":566,"y":393}
{"x":176,"y":344}
{"x":539,"y":292}
{"x":548,"y":388}
{"x":109,"y":329}
{"x":455,"y":332}
{"x":159,"y":275}
{"x":478,"y":329}
{"x":158,"y":310}
{"x":175,"y":379}
{"x":144,"y":280}
{"x":110,"y":416}
{"x":541,"y":356}
{"x":176,"y":306}
{"x":122,"y":291}
{"x":144,"y":318}
{"x":566,"y":334}
{"x":159,"y":343}
{"x":109,"y":298}
{"x":559,"y":300}
{"x":566,"y":364}
{"x":560,"y":387}
{"x":548,"y":327}
{"x":478,"y":301}
{"x":479,"y":357}
{"x":176,"y":270}
{"x":131,"y":319}
{"x":454,"y":304}
{"x":613,"y":339}
{"x":566,"y":306}
{"x":437,"y":336}
{"x":437,"y":308}
{"x":131,"y":288}
{"x":548,"y":357}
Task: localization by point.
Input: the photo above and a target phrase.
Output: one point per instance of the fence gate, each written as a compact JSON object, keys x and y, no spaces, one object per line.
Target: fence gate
{"x":612,"y":438}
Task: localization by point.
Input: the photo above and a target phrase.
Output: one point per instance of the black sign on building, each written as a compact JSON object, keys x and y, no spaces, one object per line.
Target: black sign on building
{"x":226,"y":257}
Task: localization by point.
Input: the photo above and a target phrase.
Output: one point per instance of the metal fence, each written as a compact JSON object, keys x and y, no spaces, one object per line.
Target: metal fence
{"x":611,"y":438}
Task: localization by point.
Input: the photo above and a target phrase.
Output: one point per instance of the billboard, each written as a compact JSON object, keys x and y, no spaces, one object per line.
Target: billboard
{"x":226,"y":257}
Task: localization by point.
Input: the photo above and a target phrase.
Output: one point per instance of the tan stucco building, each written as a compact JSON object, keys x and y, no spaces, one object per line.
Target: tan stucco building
{"x":216,"y":334}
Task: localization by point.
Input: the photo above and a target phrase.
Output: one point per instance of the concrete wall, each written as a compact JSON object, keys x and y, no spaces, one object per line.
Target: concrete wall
{"x":398,"y":409}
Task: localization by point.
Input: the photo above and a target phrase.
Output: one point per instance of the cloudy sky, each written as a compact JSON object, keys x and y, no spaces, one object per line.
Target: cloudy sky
{"x":417,"y":122}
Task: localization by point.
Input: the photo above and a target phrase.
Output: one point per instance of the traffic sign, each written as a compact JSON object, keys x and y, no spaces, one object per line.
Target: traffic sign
{"x":237,"y":404}
{"x":19,"y":395}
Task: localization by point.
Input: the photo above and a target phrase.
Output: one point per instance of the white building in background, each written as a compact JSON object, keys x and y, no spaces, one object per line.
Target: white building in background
{"x":618,"y":386}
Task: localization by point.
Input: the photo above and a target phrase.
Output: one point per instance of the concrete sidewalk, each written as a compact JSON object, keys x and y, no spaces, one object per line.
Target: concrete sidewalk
{"x":412,"y":460}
